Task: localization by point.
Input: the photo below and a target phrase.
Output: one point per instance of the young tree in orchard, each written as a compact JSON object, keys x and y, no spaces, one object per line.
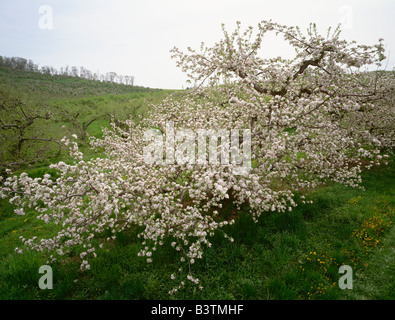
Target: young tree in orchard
{"x":22,"y":133}
{"x":302,"y":116}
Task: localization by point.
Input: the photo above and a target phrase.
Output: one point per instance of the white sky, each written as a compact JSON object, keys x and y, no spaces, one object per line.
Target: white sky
{"x":134,"y":37}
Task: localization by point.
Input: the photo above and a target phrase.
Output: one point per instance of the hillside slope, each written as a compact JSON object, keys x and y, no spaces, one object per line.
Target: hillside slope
{"x":60,"y":86}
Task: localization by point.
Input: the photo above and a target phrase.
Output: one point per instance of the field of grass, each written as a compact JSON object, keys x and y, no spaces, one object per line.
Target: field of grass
{"x":52,"y":86}
{"x":290,"y":256}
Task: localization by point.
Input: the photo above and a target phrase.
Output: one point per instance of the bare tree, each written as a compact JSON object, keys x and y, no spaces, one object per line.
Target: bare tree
{"x":21,"y":134}
{"x":110,"y":76}
{"x":80,"y":127}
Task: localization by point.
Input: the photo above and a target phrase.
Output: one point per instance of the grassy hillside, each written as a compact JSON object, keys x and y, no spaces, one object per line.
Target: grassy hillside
{"x":78,"y":105}
{"x":59,"y":86}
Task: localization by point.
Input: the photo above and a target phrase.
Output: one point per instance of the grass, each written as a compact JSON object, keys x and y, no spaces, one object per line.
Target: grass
{"x":59,"y":86}
{"x":286,"y":256}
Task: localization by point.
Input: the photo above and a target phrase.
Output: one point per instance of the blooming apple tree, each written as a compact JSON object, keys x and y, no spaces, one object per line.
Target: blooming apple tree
{"x":308,"y":120}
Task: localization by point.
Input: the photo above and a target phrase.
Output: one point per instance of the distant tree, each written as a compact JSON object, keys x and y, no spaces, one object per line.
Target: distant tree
{"x":110,"y":76}
{"x":21,"y":133}
{"x":53,"y":71}
{"x":120,"y":78}
{"x":82,"y":72}
{"x":46,"y":70}
{"x":85,"y":73}
{"x":89,"y":75}
{"x":74,"y":71}
{"x":80,"y":127}
{"x":7,"y":62}
{"x":20,"y":63}
{"x":31,"y":66}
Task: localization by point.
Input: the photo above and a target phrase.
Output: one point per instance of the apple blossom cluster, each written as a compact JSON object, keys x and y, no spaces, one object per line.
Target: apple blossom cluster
{"x":311,"y":120}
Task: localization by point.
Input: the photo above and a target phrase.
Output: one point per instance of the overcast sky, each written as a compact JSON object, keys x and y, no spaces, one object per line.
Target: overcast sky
{"x":133,"y":37}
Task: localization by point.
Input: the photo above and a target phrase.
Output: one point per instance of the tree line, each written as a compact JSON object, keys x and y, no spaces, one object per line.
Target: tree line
{"x":22,"y":64}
